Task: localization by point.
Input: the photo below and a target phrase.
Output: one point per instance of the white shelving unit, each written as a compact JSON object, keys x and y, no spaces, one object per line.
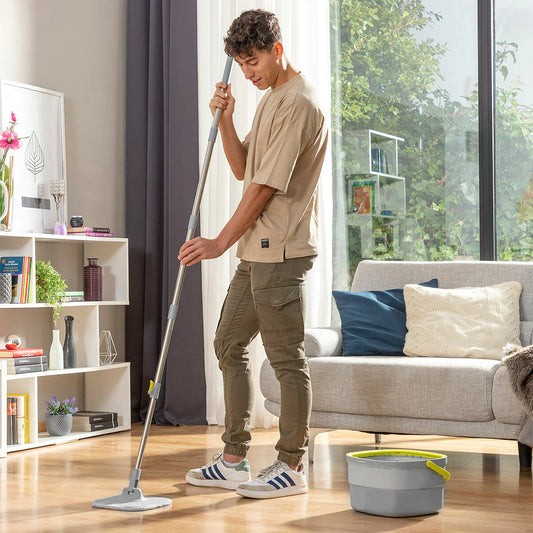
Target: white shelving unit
{"x":97,"y":388}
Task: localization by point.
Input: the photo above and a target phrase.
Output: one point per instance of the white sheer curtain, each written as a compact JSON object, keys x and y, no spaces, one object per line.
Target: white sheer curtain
{"x":305,"y":30}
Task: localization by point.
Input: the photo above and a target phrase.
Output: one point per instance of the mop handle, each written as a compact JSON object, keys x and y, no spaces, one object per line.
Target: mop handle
{"x":155,"y":386}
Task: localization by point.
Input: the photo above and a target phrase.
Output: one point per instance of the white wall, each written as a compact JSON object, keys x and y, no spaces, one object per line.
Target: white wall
{"x":78,"y":47}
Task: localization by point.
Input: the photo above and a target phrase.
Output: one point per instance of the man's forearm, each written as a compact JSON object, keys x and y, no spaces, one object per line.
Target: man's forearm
{"x":252,"y":204}
{"x":233,"y":148}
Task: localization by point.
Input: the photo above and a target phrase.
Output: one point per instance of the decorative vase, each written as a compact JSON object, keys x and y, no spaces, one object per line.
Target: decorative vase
{"x":6,"y":196}
{"x":92,"y":281}
{"x":6,"y":289}
{"x":55,"y":359}
{"x":69,"y":350}
{"x":58,"y":425}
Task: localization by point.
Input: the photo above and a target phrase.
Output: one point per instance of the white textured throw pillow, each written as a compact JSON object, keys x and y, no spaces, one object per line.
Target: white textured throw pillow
{"x":468,"y":322}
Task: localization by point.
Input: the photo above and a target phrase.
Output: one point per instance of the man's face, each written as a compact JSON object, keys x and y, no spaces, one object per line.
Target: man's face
{"x":261,"y":68}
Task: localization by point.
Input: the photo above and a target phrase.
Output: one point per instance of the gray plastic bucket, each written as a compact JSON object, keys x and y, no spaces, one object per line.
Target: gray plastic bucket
{"x":397,"y":482}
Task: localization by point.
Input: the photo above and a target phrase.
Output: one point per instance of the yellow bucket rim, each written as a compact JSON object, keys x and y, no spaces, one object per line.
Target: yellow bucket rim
{"x":409,"y":453}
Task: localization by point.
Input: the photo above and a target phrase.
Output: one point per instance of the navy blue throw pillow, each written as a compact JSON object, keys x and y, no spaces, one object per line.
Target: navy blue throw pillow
{"x":373,"y":322}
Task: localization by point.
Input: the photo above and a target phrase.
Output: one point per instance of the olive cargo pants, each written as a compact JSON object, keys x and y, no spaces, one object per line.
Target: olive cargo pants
{"x":266,"y":298}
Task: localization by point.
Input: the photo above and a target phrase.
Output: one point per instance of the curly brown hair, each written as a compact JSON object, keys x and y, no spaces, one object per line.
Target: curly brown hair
{"x":254,"y":29}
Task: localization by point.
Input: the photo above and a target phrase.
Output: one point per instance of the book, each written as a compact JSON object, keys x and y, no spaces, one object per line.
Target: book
{"x":94,"y":420}
{"x":30,"y":360}
{"x":20,"y":269}
{"x":13,"y":369}
{"x":66,"y":299}
{"x":11,"y":420}
{"x":23,"y":402}
{"x":20,"y":420}
{"x":87,"y":229}
{"x":363,"y":196}
{"x":20,"y":352}
{"x":98,"y":234}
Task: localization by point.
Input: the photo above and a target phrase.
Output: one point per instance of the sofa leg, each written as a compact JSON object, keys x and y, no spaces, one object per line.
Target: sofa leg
{"x":377,"y":438}
{"x":313,"y":432}
{"x":524,"y":455}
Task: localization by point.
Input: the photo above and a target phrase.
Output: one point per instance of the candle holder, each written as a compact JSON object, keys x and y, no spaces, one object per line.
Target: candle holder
{"x":57,"y":190}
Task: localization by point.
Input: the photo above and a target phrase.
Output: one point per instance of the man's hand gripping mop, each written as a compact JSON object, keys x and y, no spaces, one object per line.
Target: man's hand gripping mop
{"x":132,"y":498}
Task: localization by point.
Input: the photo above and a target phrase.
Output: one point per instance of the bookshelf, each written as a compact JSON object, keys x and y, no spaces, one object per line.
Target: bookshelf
{"x":96,"y":387}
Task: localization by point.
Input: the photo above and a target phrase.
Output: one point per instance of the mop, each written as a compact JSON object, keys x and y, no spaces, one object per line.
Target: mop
{"x":132,"y":498}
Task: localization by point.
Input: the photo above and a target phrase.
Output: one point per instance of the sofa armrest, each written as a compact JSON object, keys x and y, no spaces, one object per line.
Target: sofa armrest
{"x":323,"y":342}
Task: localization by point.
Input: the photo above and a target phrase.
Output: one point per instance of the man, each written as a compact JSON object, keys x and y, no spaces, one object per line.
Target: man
{"x":276,"y":226}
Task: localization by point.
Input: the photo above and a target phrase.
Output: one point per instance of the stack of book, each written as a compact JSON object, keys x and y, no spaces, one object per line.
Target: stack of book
{"x":94,"y":420}
{"x":73,"y":296}
{"x":18,"y":425}
{"x":90,"y":231}
{"x":24,"y":361}
{"x":20,"y":269}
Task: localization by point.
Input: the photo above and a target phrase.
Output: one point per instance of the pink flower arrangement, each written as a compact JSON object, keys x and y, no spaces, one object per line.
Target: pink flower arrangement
{"x":9,"y":140}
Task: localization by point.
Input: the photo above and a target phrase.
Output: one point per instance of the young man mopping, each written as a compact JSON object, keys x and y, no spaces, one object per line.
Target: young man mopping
{"x":276,"y":225}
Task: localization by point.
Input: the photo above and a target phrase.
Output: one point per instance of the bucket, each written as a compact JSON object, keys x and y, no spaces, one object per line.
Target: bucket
{"x":397,"y":482}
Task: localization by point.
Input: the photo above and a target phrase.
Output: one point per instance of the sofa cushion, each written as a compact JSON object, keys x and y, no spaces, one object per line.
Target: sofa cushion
{"x":505,"y":404}
{"x":373,"y":322}
{"x":466,"y":322}
{"x":445,"y":389}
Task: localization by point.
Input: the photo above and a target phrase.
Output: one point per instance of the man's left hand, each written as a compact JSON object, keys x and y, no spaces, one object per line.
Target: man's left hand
{"x":198,"y":249}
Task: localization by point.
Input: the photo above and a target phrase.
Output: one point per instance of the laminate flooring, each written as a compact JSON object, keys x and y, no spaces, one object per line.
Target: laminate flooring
{"x":50,"y":489}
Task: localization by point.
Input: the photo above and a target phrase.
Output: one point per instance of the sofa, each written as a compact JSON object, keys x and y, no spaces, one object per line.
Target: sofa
{"x":462,"y":397}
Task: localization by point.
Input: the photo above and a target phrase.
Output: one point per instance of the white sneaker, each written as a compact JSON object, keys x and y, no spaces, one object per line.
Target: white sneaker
{"x":217,"y":474}
{"x":275,"y":481}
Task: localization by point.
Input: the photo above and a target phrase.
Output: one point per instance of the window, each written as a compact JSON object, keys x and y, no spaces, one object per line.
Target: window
{"x":513,"y":130}
{"x":404,"y":131}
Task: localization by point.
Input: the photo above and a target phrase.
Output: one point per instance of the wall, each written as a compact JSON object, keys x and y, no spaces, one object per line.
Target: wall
{"x":78,"y":48}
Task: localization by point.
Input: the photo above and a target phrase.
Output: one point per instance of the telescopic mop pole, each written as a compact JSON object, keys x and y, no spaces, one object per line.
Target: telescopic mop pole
{"x":155,"y":386}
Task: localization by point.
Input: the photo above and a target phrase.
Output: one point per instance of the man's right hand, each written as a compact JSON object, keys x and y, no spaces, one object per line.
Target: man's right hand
{"x":222,"y":100}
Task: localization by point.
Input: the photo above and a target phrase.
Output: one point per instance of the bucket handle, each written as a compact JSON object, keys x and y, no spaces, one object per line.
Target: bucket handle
{"x":441,"y":471}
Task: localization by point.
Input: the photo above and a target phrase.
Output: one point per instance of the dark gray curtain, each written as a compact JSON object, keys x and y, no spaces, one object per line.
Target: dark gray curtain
{"x":161,"y":179}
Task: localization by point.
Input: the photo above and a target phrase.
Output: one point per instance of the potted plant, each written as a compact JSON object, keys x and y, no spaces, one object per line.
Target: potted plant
{"x":50,"y":289}
{"x":58,"y":416}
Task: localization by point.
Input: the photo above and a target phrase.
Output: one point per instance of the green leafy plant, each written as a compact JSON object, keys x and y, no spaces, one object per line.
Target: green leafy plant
{"x":50,"y":287}
{"x":66,"y":407}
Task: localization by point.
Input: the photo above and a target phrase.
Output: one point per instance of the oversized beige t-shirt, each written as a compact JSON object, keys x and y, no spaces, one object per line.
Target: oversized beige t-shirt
{"x":286,"y":148}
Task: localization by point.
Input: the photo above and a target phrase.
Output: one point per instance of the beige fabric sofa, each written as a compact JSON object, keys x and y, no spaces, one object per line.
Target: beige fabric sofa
{"x":414,"y":395}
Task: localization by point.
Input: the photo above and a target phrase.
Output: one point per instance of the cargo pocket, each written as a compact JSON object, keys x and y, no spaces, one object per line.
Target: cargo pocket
{"x":279,"y":311}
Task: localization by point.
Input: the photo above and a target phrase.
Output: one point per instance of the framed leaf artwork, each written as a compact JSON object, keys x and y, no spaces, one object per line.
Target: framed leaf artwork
{"x":40,"y":163}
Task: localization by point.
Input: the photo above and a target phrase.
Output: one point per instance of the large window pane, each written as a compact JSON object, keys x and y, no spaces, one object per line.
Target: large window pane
{"x":514,"y":129}
{"x":405,"y":131}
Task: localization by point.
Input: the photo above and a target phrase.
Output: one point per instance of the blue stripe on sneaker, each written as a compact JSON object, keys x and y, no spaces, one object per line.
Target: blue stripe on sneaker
{"x":204,"y":472}
{"x":271,"y":482}
{"x":215,"y":467}
{"x":211,"y":473}
{"x":288,"y":478}
{"x":280,"y":481}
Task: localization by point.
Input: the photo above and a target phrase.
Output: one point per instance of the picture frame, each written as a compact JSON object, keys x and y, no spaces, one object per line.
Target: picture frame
{"x":41,"y":161}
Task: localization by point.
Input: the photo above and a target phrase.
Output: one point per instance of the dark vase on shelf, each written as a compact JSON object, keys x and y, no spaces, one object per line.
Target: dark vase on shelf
{"x":69,"y":350}
{"x":92,"y":281}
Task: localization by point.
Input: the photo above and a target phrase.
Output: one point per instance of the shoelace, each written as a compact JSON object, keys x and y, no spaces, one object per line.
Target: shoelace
{"x":272,"y":470}
{"x":216,"y":458}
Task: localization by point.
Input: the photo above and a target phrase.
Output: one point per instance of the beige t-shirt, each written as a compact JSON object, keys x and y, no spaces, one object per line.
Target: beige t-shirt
{"x":286,"y":148}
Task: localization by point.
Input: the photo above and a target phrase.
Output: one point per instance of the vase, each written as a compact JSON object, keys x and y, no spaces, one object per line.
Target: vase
{"x":58,"y":425}
{"x":6,"y":288}
{"x":6,"y":196}
{"x":92,"y":281}
{"x":69,"y":350}
{"x":55,"y":359}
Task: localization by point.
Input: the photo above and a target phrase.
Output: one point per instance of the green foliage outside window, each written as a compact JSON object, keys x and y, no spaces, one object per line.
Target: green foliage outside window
{"x":387,"y":79}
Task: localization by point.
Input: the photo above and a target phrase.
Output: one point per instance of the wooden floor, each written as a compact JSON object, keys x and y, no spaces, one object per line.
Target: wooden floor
{"x":50,"y":489}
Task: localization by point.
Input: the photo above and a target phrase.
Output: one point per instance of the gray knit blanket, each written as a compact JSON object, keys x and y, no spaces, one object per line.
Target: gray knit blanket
{"x":519,"y":363}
